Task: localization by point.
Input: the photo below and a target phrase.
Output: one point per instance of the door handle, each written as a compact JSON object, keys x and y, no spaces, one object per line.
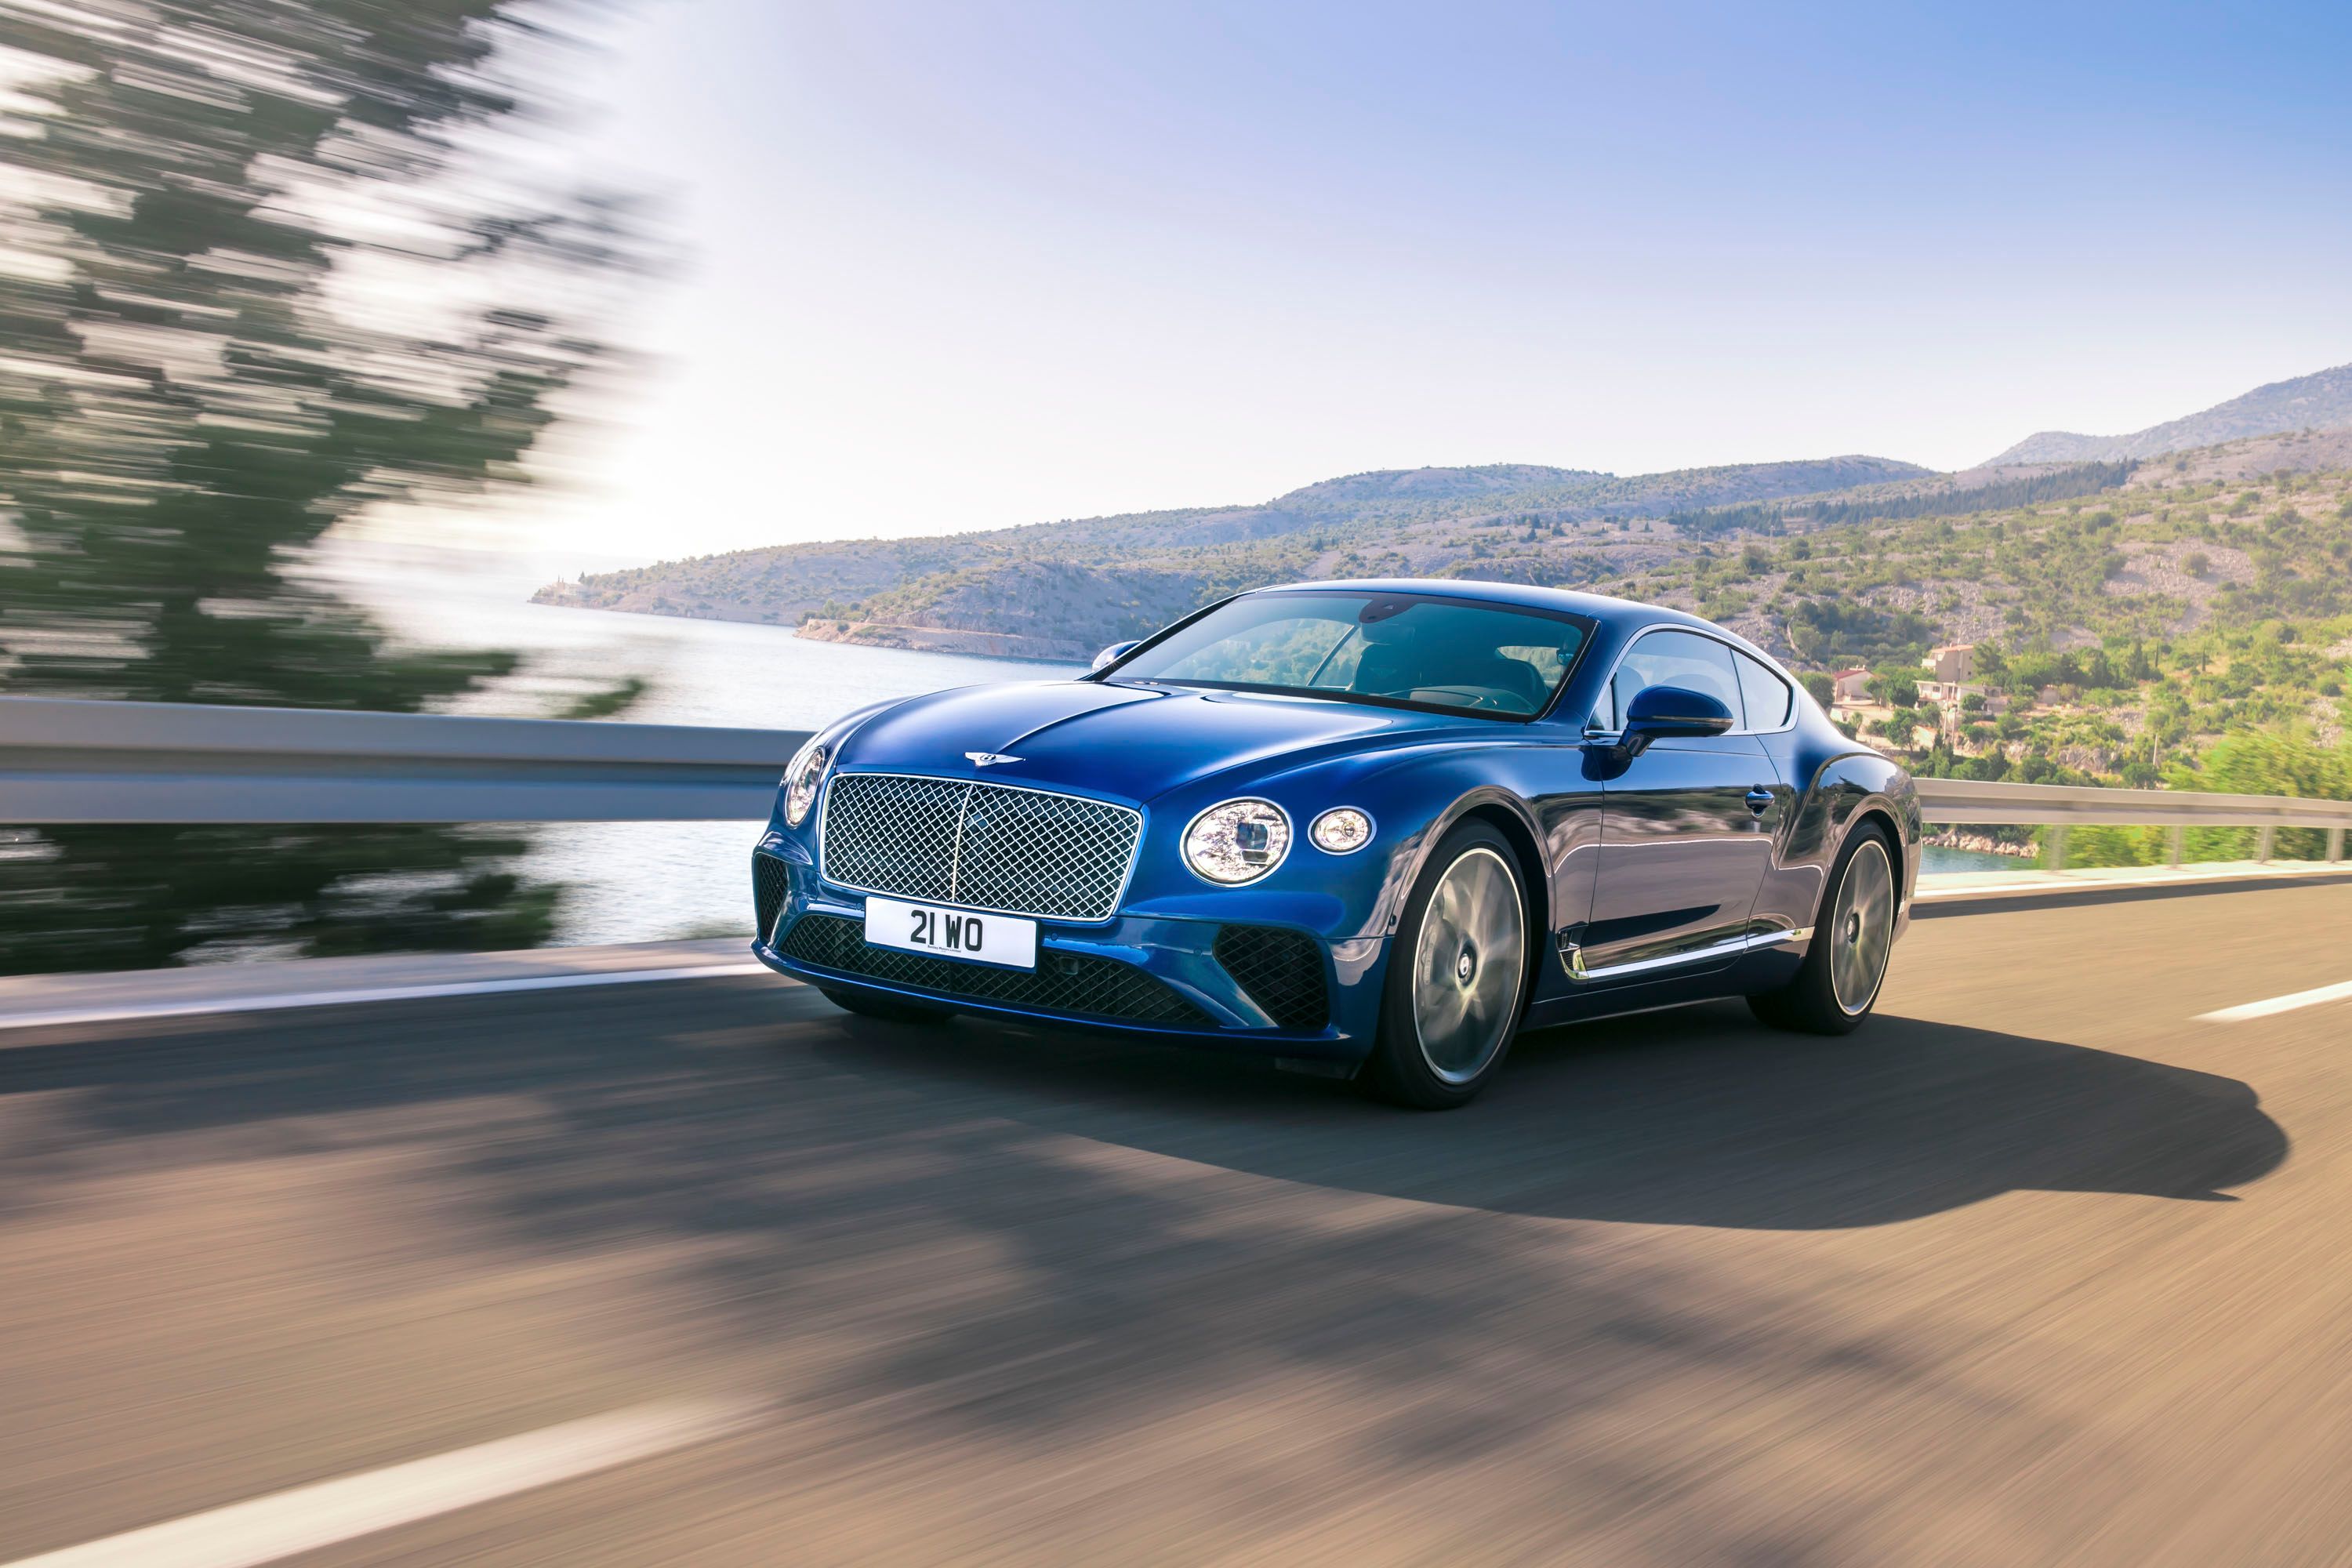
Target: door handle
{"x":1759,"y":800}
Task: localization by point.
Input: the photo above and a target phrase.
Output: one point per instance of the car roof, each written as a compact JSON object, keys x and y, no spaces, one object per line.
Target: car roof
{"x":1618,"y":612}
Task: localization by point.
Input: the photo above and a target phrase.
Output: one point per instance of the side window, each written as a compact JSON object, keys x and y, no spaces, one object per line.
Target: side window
{"x":1767,"y":694}
{"x":1668,"y":659}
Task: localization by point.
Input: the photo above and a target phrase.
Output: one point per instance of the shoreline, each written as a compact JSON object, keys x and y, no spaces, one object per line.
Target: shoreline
{"x":943,"y":639}
{"x":1977,"y":843}
{"x":867,"y":634}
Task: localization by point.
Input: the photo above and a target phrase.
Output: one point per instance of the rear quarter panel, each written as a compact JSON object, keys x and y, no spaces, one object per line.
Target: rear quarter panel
{"x":1829,"y":785}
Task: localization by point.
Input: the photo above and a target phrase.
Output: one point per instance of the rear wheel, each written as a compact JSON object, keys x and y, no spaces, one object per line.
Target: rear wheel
{"x":1853,"y":937}
{"x":887,"y":1008}
{"x":1457,"y":977}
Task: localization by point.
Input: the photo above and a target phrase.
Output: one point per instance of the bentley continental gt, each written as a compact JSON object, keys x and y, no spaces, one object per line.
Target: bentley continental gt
{"x":1370,"y":829}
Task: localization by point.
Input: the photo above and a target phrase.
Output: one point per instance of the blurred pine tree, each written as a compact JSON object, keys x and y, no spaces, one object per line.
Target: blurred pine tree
{"x":193,"y":389}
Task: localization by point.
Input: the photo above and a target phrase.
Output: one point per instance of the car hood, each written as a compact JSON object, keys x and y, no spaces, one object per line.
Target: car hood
{"x":1130,"y":742}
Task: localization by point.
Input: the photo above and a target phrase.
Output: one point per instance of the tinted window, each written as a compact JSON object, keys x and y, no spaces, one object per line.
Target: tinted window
{"x":1683,"y":659}
{"x":1766,"y":693}
{"x":1404,"y":648}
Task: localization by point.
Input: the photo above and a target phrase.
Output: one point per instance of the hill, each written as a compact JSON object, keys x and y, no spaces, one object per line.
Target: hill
{"x":1062,"y":589}
{"x":2321,"y":400}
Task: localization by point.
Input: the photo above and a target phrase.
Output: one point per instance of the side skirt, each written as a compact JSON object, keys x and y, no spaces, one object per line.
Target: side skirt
{"x":1764,"y":968}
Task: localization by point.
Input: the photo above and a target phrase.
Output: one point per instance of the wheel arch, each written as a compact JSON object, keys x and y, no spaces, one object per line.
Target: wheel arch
{"x":1854,"y":787}
{"x":1514,"y":820}
{"x":1535,"y":883}
{"x":1883,"y":815}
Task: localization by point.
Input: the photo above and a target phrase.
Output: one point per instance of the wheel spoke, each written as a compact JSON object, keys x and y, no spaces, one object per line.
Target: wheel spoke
{"x":1862,"y":928}
{"x":1468,"y":965}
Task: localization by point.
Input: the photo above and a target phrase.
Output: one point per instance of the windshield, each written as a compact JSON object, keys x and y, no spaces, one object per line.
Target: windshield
{"x":1408,"y":650}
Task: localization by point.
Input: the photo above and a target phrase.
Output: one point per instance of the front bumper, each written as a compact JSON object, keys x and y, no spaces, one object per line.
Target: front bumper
{"x":1164,"y":973}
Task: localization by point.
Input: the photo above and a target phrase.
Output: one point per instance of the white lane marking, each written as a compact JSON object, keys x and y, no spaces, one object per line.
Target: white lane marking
{"x":199,"y":1006}
{"x":2287,"y":1004}
{"x":305,"y":1518}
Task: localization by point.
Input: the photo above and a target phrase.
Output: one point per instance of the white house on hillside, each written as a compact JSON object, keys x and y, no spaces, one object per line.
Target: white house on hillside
{"x":1954,"y":663}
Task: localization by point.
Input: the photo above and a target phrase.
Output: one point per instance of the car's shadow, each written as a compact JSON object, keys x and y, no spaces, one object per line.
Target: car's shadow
{"x":1691,"y":1117}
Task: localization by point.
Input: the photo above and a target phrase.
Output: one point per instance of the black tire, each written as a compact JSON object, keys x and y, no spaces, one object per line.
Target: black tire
{"x":889,"y":1009}
{"x":1469,"y":998}
{"x":1854,"y":938}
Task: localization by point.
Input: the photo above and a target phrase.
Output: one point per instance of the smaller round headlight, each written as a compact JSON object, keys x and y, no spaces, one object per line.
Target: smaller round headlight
{"x":802,"y":776}
{"x":1238,"y":841}
{"x":1343,"y":830}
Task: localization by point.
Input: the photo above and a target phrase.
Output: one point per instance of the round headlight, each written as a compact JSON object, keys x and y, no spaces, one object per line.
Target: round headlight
{"x":805,"y":772}
{"x":1238,"y":842}
{"x":1343,"y":830}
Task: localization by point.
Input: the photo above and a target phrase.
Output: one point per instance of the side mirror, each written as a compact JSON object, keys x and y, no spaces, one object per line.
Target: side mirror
{"x":1670,"y":713}
{"x":1113,"y":654}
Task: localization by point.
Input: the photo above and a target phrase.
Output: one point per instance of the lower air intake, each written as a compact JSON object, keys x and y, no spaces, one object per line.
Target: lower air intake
{"x":1282,"y":970}
{"x":1068,"y":983}
{"x":772,"y":883}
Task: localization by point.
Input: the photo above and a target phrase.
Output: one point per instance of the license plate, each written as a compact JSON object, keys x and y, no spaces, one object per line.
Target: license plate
{"x":1007,"y":939}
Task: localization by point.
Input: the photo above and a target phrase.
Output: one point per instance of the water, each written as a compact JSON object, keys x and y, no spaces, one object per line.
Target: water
{"x":647,"y":881}
{"x":1937,"y":859}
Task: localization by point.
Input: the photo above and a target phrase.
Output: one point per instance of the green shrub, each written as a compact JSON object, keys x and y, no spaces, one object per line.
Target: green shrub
{"x":2263,"y":762}
{"x":2104,"y":846}
{"x":1895,"y":687}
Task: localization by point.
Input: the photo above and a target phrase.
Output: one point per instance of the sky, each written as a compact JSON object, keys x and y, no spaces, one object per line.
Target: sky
{"x":951,"y":266}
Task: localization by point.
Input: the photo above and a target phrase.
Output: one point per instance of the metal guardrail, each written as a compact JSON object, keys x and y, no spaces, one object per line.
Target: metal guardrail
{"x":2058,"y":806}
{"x":67,"y":761}
{"x":1965,"y":799}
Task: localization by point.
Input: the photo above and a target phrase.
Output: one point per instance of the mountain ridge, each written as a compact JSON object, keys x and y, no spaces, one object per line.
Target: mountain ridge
{"x":1171,"y":556}
{"x":2320,"y":401}
{"x":1060,"y":590}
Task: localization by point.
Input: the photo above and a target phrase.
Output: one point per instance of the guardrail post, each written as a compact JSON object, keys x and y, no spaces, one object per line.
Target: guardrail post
{"x":2262,"y":851}
{"x":2178,"y":836}
{"x":2335,"y":843}
{"x":2053,"y":848}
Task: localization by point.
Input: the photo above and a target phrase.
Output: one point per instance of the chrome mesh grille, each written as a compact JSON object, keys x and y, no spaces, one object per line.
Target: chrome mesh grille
{"x":891,"y":834}
{"x":980,"y":846}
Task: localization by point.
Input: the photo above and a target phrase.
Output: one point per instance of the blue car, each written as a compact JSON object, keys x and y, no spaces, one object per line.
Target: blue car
{"x":1369,"y":829}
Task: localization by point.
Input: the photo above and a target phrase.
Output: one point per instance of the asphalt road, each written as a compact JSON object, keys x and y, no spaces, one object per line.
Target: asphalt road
{"x":2036,"y":1269}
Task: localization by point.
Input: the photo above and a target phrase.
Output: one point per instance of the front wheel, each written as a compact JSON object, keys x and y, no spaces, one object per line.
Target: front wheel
{"x":1457,"y":977}
{"x":1837,"y":984}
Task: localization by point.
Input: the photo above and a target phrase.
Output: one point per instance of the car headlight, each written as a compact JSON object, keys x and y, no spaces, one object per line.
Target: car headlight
{"x":1343,"y":830}
{"x":1238,"y":841}
{"x":802,"y":776}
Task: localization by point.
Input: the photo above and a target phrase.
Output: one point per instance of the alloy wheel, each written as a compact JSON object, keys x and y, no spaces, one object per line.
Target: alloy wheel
{"x":1468,"y":964}
{"x":1861,"y":930}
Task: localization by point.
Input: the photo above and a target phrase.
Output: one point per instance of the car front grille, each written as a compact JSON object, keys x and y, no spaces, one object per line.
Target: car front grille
{"x":1282,"y":971}
{"x":1071,"y":983}
{"x":989,"y":846}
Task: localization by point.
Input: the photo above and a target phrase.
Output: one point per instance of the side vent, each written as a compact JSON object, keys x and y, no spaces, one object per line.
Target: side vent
{"x":1282,"y":971}
{"x":772,"y":883}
